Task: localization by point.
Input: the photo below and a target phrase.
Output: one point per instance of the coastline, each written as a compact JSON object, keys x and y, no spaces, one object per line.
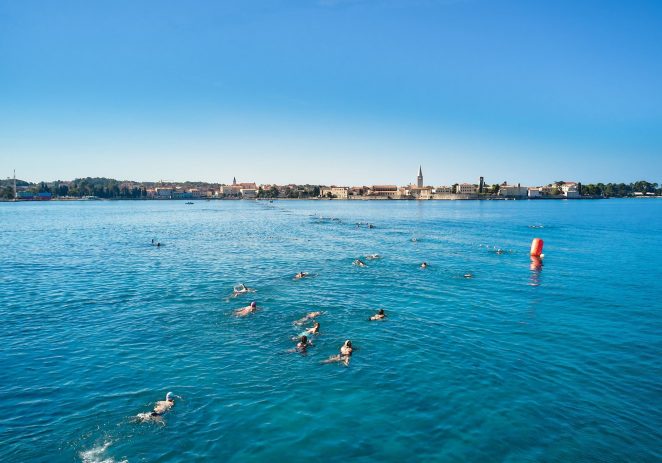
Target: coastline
{"x":184,"y":200}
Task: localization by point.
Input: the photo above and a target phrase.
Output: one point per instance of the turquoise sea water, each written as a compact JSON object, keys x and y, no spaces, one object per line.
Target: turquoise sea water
{"x":558,"y":364}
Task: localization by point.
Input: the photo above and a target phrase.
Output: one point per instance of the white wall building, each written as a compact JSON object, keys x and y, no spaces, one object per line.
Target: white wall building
{"x":337,"y":192}
{"x":248,"y":193}
{"x":340,"y":192}
{"x":570,"y":190}
{"x":465,"y":188}
{"x":513,"y":191}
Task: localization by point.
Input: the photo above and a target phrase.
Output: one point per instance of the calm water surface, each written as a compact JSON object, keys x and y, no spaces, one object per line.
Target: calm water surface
{"x":517,"y":364}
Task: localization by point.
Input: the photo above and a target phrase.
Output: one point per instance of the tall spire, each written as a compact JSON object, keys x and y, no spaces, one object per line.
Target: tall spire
{"x":234,"y":180}
{"x":420,"y":171}
{"x":419,"y":179}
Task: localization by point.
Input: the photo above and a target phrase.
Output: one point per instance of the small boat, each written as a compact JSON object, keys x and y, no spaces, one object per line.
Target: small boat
{"x":188,"y":202}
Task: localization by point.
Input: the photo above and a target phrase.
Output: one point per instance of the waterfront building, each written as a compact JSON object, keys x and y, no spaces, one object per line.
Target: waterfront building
{"x":248,"y":193}
{"x":358,"y":190}
{"x":513,"y":191}
{"x":164,"y":192}
{"x":534,"y":192}
{"x":570,"y":190}
{"x":385,"y":191}
{"x":340,"y":192}
{"x":418,"y":192}
{"x":234,"y":190}
{"x":443,"y":190}
{"x":336,"y":192}
{"x":465,"y":188}
{"x":181,"y":193}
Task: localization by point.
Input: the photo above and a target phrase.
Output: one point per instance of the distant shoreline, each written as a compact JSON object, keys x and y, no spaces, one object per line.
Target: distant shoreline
{"x":562,"y":198}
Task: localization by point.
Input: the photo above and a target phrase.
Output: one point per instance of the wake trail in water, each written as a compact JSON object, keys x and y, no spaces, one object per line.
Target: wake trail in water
{"x":96,"y":455}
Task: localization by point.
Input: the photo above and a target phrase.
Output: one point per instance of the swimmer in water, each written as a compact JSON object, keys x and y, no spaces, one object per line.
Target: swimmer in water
{"x":160,"y":408}
{"x":424,"y":265}
{"x":303,"y":343}
{"x":309,"y":316}
{"x":244,"y":311}
{"x":359,"y":263}
{"x":373,"y":256}
{"x":300,"y":275}
{"x":241,"y":289}
{"x":380,"y":315}
{"x":468,"y":275}
{"x":315,"y":329}
{"x":344,"y":355}
{"x":158,"y":245}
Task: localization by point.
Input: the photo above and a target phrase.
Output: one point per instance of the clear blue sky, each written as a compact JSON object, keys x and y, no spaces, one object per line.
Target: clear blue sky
{"x":332,"y":91}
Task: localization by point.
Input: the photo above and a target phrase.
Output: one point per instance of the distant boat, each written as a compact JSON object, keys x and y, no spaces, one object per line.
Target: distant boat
{"x":188,"y":202}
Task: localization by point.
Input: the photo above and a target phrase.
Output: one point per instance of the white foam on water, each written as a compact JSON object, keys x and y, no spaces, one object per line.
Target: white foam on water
{"x":96,"y":455}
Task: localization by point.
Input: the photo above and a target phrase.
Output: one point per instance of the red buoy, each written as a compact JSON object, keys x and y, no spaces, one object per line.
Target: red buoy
{"x":536,"y":247}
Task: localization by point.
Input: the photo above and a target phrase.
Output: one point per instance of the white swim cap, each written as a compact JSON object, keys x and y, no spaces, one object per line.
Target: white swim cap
{"x":168,"y":395}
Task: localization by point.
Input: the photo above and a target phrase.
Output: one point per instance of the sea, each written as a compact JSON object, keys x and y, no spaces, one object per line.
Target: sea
{"x":485,"y":356}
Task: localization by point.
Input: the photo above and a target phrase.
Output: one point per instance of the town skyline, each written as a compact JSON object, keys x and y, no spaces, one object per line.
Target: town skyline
{"x":223,"y":180}
{"x":94,"y":187}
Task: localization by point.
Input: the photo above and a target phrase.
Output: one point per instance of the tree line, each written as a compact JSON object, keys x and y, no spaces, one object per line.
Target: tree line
{"x":100,"y":187}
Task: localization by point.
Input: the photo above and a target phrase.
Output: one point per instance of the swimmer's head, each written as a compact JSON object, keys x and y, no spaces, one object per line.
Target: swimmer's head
{"x":304,"y":339}
{"x":316,"y":324}
{"x":169,"y":396}
{"x":253,"y":304}
{"x":348,"y":343}
{"x":381,"y":312}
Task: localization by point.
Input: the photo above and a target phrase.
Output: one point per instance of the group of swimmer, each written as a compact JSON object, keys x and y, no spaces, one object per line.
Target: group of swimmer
{"x":303,"y":340}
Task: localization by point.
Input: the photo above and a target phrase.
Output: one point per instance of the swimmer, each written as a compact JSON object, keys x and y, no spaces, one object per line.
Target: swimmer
{"x":499,"y":251}
{"x":380,"y":315}
{"x":413,"y":240}
{"x":301,"y":275}
{"x":309,"y":316}
{"x":241,"y":289}
{"x":373,"y":256}
{"x":303,"y":343}
{"x":158,"y":245}
{"x":315,"y":329}
{"x":468,"y":275}
{"x":371,"y":225}
{"x":152,"y":241}
{"x":424,"y":265}
{"x":359,"y":263}
{"x":160,"y":408}
{"x":244,"y":311}
{"x":344,"y":355}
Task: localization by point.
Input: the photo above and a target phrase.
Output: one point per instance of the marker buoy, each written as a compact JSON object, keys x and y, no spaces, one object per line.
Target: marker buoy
{"x":536,"y":247}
